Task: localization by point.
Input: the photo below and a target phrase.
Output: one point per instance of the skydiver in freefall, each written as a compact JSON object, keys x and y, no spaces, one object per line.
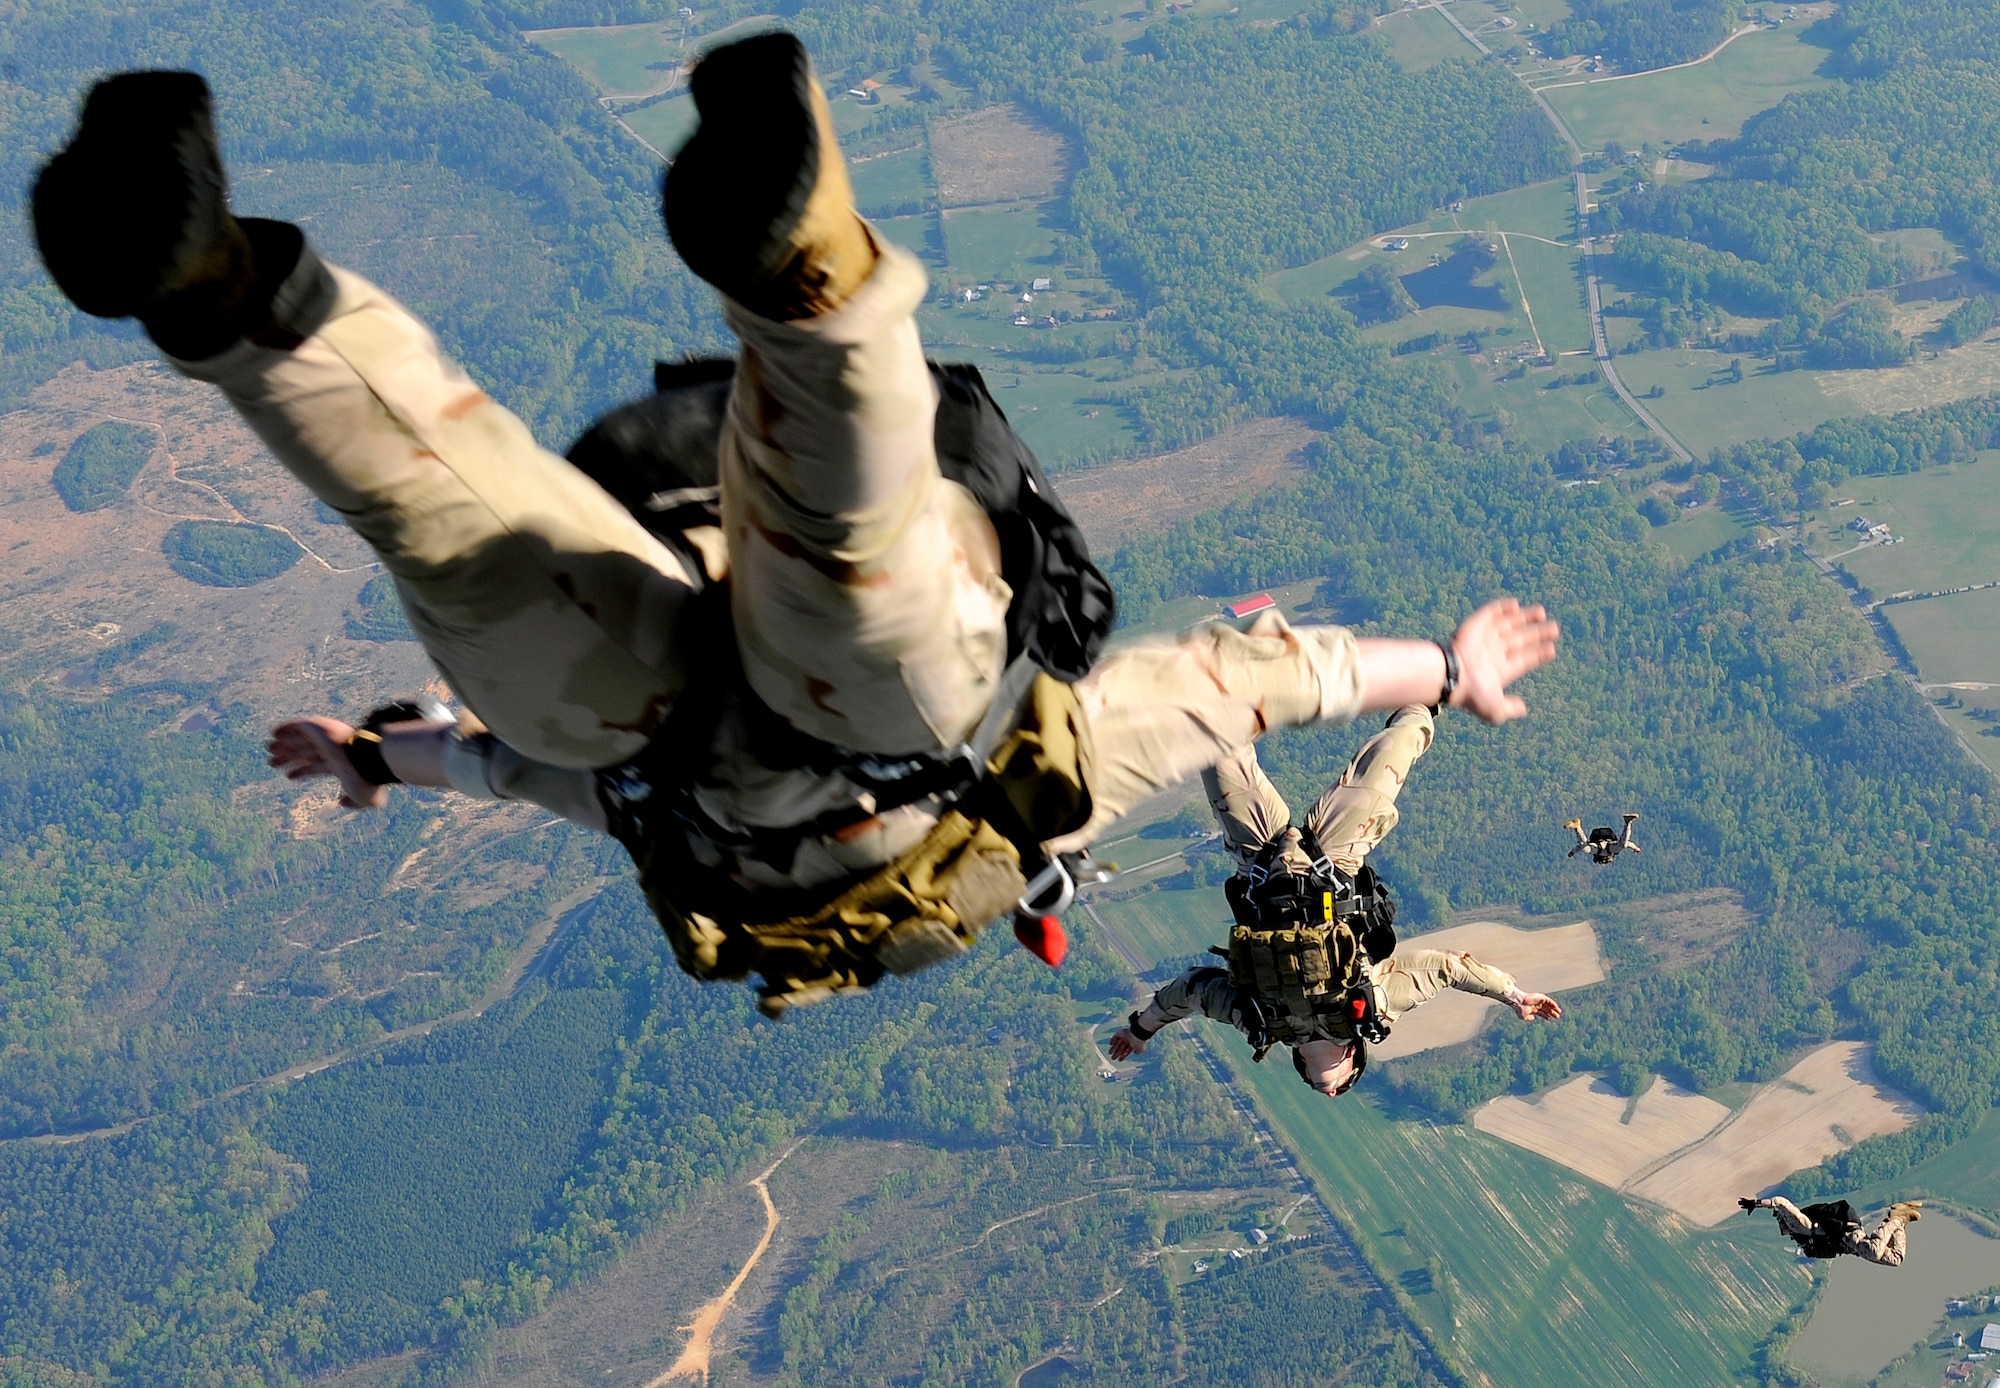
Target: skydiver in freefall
{"x":808,"y":695}
{"x":1604,"y":842}
{"x":1829,"y":1230}
{"x":1312,"y":961}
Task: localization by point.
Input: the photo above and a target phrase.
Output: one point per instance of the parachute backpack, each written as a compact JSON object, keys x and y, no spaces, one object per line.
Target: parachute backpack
{"x":1301,"y":946}
{"x":1015,"y":784}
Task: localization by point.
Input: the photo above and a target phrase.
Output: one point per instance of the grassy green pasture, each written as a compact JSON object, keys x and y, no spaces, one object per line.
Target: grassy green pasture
{"x":624,"y":60}
{"x":1964,"y":1175}
{"x":1420,"y":39}
{"x":1541,"y":209}
{"x":892,"y":180}
{"x":665,"y":124}
{"x":1522,"y":1273}
{"x":917,"y":234}
{"x":1695,"y":533}
{"x":1552,"y":279}
{"x":1950,"y":517}
{"x":1953,"y":638}
{"x":1766,"y":405}
{"x":1708,"y":101}
{"x":1165,"y":925}
{"x":1010,"y":243}
{"x":1541,"y":419}
{"x":1541,"y":13}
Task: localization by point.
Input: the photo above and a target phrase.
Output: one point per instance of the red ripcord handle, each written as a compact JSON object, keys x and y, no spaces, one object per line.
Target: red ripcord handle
{"x":1043,"y":937}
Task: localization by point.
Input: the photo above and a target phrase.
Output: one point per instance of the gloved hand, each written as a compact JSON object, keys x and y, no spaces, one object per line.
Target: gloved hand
{"x":1749,"y":1204}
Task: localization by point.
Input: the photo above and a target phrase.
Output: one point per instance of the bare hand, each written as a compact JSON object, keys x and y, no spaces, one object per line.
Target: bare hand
{"x":1124,"y":1045}
{"x":1530,"y":1006}
{"x":308,"y":747}
{"x":1497,"y":645}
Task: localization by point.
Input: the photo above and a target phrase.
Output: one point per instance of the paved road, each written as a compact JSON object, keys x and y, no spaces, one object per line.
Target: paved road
{"x":1600,"y":345}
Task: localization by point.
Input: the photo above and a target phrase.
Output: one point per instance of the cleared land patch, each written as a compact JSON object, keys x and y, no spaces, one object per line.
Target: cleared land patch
{"x":1952,"y":638}
{"x":1592,"y":1129}
{"x":1824,"y":1104}
{"x":1544,"y":961}
{"x":1122,"y":501}
{"x":1708,"y":101}
{"x":996,"y":155}
{"x":1958,"y":374}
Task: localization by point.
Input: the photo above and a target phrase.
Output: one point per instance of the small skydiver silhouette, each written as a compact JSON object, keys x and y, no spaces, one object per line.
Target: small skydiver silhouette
{"x":1604,"y":843}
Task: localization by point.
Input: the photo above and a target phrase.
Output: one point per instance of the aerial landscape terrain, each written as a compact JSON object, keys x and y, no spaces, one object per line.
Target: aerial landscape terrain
{"x":1679,"y":316}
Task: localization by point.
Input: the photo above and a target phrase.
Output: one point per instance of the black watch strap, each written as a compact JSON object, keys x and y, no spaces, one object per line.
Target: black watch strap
{"x":1144,"y":1035}
{"x":1453,"y":673}
{"x":364,"y":754}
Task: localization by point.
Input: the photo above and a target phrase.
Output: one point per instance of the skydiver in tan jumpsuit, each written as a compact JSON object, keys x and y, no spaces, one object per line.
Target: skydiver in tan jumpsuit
{"x":865,"y":590}
{"x":1349,"y":821}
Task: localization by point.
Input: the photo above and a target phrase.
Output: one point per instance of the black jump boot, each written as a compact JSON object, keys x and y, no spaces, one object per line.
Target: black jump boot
{"x":757,"y":201}
{"x":132,"y":219}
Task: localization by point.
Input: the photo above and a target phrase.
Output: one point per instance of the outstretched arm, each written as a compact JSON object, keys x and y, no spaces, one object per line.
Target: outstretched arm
{"x":1201,"y":989}
{"x":308,"y":747}
{"x":434,"y":753}
{"x":1496,"y":645}
{"x":1412,"y":979}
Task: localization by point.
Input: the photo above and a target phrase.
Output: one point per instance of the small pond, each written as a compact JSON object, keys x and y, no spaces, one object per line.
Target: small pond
{"x":1868,"y":1315}
{"x":1449,"y":285}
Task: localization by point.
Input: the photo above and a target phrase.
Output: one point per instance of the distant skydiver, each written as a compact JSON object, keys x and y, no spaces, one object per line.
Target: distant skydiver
{"x":1827,"y":1231}
{"x":1311,"y":958}
{"x":1604,"y":843}
{"x":843,"y":708}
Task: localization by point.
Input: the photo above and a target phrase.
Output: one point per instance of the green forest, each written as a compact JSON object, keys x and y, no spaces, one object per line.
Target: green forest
{"x":226,"y":554}
{"x":214,"y":1226}
{"x":101,"y":465}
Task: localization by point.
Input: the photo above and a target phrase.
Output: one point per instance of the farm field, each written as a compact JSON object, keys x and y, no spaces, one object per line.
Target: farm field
{"x":1013,"y":243}
{"x":1868,"y":1316}
{"x":1523,"y":1274}
{"x":1957,"y":374}
{"x":1950,"y":516}
{"x":1951,"y":638}
{"x":1964,"y":1174}
{"x":1824,"y":1104}
{"x":885,"y":182}
{"x":996,"y":155}
{"x":1693,"y":534}
{"x":1541,"y":419}
{"x":1709,"y":101}
{"x":665,"y":124}
{"x":1704,"y":416}
{"x":635,"y":60}
{"x":1553,"y":960}
{"x":1551,"y":279}
{"x":1589,"y":1127}
{"x":1421,"y":39}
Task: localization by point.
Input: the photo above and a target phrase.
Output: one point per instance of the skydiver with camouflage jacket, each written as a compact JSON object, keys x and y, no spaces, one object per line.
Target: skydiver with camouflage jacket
{"x":1328,"y":1035}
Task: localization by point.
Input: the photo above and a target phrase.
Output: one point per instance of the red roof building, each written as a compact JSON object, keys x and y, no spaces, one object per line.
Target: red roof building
{"x":1250,"y":605}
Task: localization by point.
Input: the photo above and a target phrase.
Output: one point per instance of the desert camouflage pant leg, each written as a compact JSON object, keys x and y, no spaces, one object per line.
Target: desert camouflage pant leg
{"x":1349,"y":820}
{"x":555,"y":615}
{"x":1888,"y":1245}
{"x":1157,"y":712}
{"x":551,"y":611}
{"x":866,"y":587}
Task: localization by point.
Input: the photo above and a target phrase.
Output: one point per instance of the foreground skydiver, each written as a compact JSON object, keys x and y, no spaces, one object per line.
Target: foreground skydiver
{"x":1311,"y":959}
{"x":797,"y":710}
{"x":1829,"y":1230}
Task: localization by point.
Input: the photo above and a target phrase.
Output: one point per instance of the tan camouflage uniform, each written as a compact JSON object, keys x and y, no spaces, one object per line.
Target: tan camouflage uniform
{"x":1888,"y":1245}
{"x":1350,"y":820}
{"x":866,"y":590}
